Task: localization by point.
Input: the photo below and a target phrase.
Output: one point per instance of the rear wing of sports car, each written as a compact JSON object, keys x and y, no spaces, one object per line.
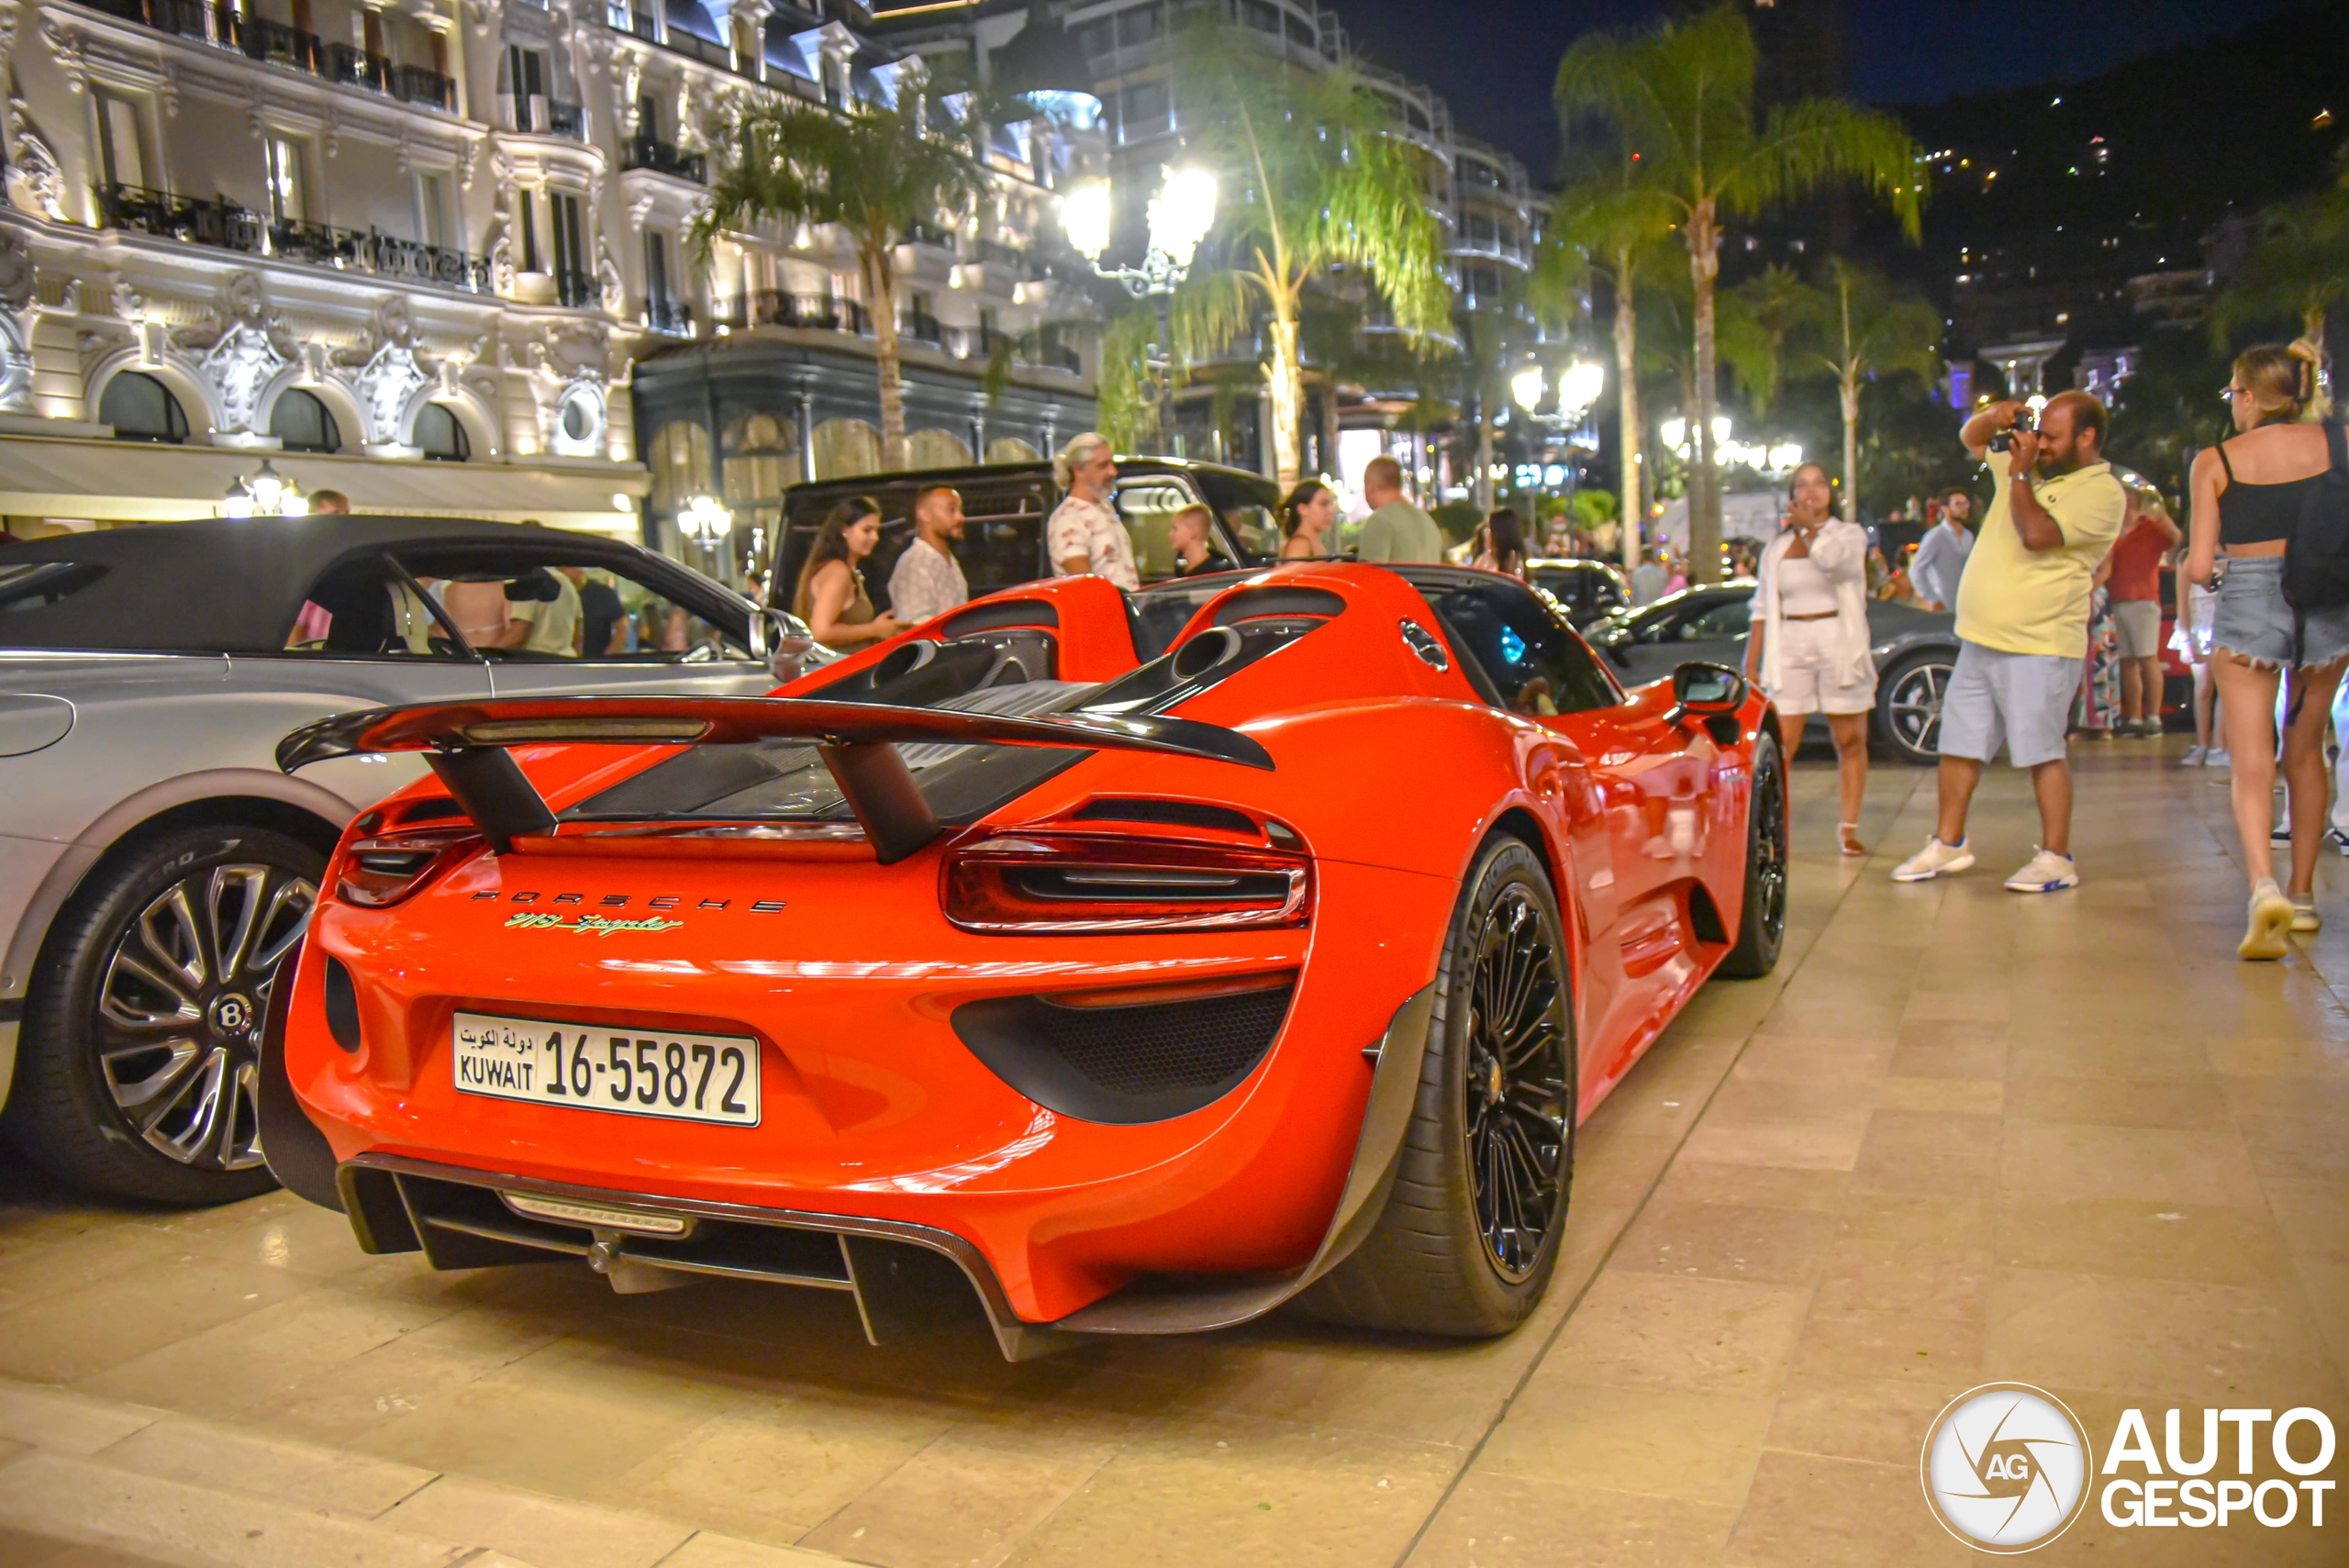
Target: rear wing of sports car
{"x":469,"y":745}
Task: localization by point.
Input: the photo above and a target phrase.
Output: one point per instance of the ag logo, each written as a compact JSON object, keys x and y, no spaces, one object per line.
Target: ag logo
{"x":2006,"y":1467}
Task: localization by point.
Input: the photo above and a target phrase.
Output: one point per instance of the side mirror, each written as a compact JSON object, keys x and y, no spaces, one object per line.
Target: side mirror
{"x":782,"y":641}
{"x":1708,"y":693}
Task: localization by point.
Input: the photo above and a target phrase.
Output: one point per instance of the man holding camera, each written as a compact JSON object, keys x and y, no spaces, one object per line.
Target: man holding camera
{"x":2023,"y":624}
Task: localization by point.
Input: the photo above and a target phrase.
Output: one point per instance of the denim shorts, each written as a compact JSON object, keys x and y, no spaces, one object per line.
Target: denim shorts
{"x":2253,"y":621}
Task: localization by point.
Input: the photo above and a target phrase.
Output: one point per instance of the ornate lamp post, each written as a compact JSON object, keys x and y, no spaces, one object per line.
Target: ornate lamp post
{"x":1180,"y":215}
{"x":704,"y":520}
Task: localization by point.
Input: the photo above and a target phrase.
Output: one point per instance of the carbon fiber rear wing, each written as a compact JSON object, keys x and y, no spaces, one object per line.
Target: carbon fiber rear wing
{"x":468,"y":744}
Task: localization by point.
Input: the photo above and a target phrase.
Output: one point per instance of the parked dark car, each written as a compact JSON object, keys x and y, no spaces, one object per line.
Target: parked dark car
{"x":1005,"y":506}
{"x":1588,"y":589}
{"x":1915,"y":651}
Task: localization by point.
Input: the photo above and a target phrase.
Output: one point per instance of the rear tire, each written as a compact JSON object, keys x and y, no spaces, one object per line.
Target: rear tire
{"x":1470,"y":1236}
{"x":1762,"y":917}
{"x":137,"y":1071}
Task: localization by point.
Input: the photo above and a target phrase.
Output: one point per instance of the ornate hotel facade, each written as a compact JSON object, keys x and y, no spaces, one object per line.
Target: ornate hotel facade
{"x":424,"y":252}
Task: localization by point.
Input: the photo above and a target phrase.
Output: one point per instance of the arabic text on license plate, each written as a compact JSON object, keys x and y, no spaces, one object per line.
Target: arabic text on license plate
{"x":597,"y":1067}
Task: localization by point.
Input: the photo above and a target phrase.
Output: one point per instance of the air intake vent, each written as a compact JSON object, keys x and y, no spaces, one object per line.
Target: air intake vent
{"x":1169,"y":813}
{"x":1125,"y":1066}
{"x":342,"y":1007}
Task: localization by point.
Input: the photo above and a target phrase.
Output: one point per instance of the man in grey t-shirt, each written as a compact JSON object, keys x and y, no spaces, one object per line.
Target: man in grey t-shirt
{"x":1396,"y":529}
{"x":1941,"y":556}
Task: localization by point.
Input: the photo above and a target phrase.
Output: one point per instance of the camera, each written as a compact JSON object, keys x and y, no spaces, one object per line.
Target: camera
{"x":2025,"y":421}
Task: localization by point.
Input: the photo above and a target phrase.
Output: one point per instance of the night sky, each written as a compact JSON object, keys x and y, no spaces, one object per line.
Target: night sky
{"x":1495,"y":60}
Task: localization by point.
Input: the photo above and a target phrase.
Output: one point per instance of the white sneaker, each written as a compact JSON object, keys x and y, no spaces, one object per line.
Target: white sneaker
{"x":2194,"y":755}
{"x":1932,"y":861}
{"x":2271,"y":916}
{"x":2046,"y":873}
{"x":2215,"y":758}
{"x":2306,"y":917}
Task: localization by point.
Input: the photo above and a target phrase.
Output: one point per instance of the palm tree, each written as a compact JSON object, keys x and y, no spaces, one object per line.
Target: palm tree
{"x":1861,"y":325}
{"x":875,"y":170}
{"x":1315,"y":176}
{"x":1611,"y":221}
{"x":2299,"y":266}
{"x":1681,"y":98}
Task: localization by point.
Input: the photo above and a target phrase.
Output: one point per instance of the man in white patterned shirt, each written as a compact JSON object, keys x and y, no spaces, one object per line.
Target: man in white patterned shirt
{"x":928,"y":581}
{"x":1085,"y":533}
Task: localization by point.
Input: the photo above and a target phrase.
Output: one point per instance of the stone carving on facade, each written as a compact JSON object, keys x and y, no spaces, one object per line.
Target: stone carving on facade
{"x":36,"y":183}
{"x":631,"y":82}
{"x":391,"y":370}
{"x":126,"y":301}
{"x":607,"y":280}
{"x":18,"y":281}
{"x":243,"y":355}
{"x":17,"y":277}
{"x":65,"y":49}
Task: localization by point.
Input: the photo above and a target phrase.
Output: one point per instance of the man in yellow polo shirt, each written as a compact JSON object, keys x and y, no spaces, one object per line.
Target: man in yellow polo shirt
{"x":2022,"y":627}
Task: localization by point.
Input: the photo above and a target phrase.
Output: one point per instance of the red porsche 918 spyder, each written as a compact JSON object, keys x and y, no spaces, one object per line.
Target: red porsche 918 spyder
{"x":1138,"y":962}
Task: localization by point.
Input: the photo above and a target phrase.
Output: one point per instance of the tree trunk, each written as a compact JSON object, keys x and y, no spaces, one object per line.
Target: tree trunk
{"x":1633,"y":504}
{"x":881,"y":284}
{"x":1484,"y":451}
{"x":1283,"y":375}
{"x":1704,"y":483}
{"x":1851,"y":390}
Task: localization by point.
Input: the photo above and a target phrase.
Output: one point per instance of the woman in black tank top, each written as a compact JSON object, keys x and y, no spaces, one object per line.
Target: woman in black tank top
{"x":2248,"y":491}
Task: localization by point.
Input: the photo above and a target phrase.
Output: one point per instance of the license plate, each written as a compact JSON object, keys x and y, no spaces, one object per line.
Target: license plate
{"x":596,"y":1067}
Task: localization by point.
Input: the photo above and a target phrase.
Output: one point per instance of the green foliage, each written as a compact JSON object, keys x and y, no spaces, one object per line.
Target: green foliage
{"x":2298,"y":269}
{"x":1593,"y":507}
{"x":1128,"y":389}
{"x":1459,"y":520}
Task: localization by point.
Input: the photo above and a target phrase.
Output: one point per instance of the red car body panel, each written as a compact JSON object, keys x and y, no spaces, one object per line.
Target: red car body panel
{"x":1392,"y":771}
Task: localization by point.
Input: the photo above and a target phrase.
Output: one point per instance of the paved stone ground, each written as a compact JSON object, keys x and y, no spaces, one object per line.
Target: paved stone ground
{"x":1961,"y":1136}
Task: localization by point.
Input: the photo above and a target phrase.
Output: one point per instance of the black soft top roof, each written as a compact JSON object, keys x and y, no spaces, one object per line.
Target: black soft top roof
{"x":219,"y":584}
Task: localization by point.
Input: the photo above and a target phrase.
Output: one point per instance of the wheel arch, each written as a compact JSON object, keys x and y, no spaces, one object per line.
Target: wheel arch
{"x":221,"y":797}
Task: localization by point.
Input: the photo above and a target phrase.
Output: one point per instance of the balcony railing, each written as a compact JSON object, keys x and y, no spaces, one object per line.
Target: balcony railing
{"x":652,"y":153}
{"x":669,"y":315}
{"x":700,"y":48}
{"x":929,"y":234}
{"x":921,"y":327}
{"x":228,"y":227}
{"x":278,"y":44}
{"x":1056,"y":357}
{"x":779,"y":307}
{"x":577,"y":289}
{"x":566,"y":119}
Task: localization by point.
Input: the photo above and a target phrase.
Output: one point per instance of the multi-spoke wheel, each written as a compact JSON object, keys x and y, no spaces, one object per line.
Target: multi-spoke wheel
{"x":1470,"y":1236}
{"x":138,"y":1072}
{"x":1908,"y":705}
{"x":1762,"y":922}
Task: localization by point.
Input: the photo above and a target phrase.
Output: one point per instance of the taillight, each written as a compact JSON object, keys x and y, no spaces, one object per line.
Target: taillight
{"x":377,"y":872}
{"x":1067,"y":883}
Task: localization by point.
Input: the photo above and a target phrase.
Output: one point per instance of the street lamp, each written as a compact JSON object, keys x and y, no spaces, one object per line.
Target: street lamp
{"x":704,"y":520}
{"x":1580,"y":386}
{"x":1527,"y":387}
{"x":268,"y":494}
{"x":1181,"y":214}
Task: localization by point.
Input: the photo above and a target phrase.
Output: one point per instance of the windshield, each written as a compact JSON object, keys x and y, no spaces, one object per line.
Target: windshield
{"x":1250,"y":508}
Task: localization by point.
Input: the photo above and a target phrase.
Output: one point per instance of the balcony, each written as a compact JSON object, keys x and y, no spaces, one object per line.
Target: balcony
{"x":700,"y":48}
{"x":577,"y":290}
{"x":929,"y":234}
{"x":226,"y":226}
{"x":669,"y":315}
{"x":277,"y":44}
{"x":778,"y":308}
{"x":921,"y":327}
{"x":652,"y":153}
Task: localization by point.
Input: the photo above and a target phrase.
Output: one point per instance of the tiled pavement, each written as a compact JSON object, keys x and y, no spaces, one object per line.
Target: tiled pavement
{"x":1961,"y":1136}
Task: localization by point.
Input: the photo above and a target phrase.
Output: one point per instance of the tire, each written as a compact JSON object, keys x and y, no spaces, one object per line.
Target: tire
{"x":1442,"y":1259}
{"x":1909,"y":704}
{"x":1761,"y":914}
{"x":137,"y":1068}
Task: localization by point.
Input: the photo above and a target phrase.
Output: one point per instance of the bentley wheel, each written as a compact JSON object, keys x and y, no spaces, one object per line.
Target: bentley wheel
{"x":1762,"y":923}
{"x":1909,"y":706}
{"x":138,"y":1073}
{"x":1470,"y":1237}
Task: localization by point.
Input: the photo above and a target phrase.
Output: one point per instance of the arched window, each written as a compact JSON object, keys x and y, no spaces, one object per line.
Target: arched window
{"x":442,"y":434}
{"x":141,"y":408}
{"x":303,"y":424}
{"x":935,"y":448}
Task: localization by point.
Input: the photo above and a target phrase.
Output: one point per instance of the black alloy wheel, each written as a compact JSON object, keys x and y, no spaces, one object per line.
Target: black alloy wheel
{"x":1518,"y":1124}
{"x":1908,"y":705}
{"x":139,"y":1073}
{"x":1471,"y":1232}
{"x":1762,"y":923}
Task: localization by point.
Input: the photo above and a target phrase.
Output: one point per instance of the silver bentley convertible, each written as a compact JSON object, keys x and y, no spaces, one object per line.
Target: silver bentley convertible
{"x":155,"y":866}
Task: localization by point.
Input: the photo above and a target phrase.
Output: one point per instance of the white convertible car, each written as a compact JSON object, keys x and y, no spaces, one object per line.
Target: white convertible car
{"x":155,"y":865}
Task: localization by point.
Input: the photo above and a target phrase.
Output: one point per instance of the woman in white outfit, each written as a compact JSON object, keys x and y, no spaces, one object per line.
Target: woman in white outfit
{"x":1809,"y":643}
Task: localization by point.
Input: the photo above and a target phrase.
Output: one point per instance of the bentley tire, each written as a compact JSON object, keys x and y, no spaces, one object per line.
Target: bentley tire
{"x":1908,"y":705}
{"x":1470,"y":1235}
{"x":137,"y":1070}
{"x":1761,"y":920}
